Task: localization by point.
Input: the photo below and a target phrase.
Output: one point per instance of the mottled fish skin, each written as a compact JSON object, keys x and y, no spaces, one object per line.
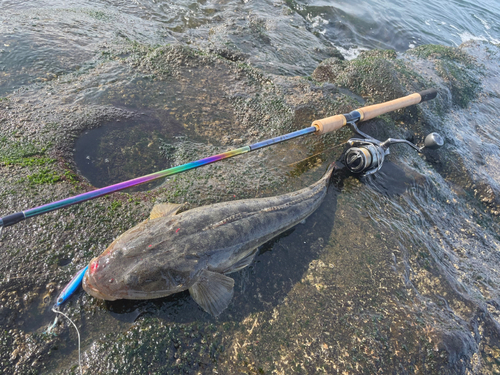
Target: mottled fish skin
{"x":175,"y":252}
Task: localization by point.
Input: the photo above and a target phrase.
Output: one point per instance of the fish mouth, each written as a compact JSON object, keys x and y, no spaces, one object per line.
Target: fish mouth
{"x":92,"y":290}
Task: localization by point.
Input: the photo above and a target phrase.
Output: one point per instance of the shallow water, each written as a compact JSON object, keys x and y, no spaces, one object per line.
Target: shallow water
{"x":414,"y":246}
{"x":122,"y":151}
{"x":39,"y":41}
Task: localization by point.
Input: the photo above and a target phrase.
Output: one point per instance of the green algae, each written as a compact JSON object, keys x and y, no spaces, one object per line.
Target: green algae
{"x":44,"y":176}
{"x":380,"y":76}
{"x":388,"y":54}
{"x":97,"y":14}
{"x":24,"y":153}
{"x":435,"y":51}
{"x":464,"y":83}
{"x":372,"y":75}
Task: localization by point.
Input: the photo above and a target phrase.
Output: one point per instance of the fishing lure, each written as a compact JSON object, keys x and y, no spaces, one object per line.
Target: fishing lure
{"x":65,"y":294}
{"x":63,"y":297}
{"x":69,"y":289}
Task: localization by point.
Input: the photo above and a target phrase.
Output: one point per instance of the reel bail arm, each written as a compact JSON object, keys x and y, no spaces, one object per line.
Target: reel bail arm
{"x":390,"y":141}
{"x":366,"y":155}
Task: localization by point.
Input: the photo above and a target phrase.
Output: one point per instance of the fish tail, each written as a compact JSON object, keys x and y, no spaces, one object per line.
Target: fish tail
{"x":327,"y":177}
{"x":334,"y":175}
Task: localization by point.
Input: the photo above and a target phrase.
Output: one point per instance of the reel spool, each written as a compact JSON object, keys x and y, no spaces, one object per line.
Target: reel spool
{"x":364,"y":158}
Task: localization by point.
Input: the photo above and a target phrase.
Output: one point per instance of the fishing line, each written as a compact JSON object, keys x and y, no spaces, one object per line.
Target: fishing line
{"x":77,"y":332}
{"x":318,"y":153}
{"x":63,"y":296}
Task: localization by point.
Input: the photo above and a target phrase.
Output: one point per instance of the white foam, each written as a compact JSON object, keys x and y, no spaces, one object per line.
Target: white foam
{"x":317,"y":21}
{"x":493,"y":40}
{"x":484,"y":22}
{"x":466,"y":36}
{"x":350,"y":53}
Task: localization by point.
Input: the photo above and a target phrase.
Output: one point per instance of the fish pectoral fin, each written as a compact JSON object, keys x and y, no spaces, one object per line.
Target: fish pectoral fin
{"x":164,"y":209}
{"x":242,"y":263}
{"x":213,"y":292}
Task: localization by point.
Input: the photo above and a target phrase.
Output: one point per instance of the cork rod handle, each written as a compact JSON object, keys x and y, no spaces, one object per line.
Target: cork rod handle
{"x":372,"y":111}
{"x":333,"y":123}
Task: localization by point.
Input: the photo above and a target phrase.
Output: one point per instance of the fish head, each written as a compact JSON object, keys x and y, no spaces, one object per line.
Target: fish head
{"x":105,"y":277}
{"x":140,"y":264}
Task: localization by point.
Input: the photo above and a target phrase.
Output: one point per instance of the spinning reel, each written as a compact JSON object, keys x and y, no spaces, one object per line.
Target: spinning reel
{"x":366,"y":155}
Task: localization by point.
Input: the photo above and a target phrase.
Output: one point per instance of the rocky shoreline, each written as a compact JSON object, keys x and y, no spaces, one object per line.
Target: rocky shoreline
{"x":357,"y":303}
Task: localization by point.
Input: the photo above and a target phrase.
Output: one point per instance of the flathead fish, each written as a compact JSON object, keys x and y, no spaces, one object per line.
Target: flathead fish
{"x":196,"y":249}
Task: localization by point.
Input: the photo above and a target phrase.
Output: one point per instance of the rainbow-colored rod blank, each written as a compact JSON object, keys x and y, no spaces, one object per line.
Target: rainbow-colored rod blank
{"x":20,"y":216}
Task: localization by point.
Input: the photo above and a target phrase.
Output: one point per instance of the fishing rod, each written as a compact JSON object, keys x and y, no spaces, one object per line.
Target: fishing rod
{"x":322,"y":126}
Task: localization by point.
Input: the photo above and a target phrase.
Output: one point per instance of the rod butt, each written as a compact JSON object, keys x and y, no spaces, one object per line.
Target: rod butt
{"x":12,"y":219}
{"x":428,"y":94}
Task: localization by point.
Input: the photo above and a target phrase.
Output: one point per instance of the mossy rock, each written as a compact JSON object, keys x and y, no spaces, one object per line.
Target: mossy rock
{"x":329,"y":69}
{"x":388,"y":54}
{"x":435,"y":51}
{"x":160,"y":60}
{"x":462,"y":82}
{"x":457,"y":68}
{"x":371,"y":75}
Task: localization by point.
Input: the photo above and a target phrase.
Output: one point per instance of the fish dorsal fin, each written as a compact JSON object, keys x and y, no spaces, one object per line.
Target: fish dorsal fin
{"x":164,"y":209}
{"x":213,"y":292}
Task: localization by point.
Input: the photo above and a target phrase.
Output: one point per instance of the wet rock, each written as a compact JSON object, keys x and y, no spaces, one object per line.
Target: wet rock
{"x":230,"y":54}
{"x":355,"y":289}
{"x":329,"y":70}
{"x":488,"y":195}
{"x":457,"y":346}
